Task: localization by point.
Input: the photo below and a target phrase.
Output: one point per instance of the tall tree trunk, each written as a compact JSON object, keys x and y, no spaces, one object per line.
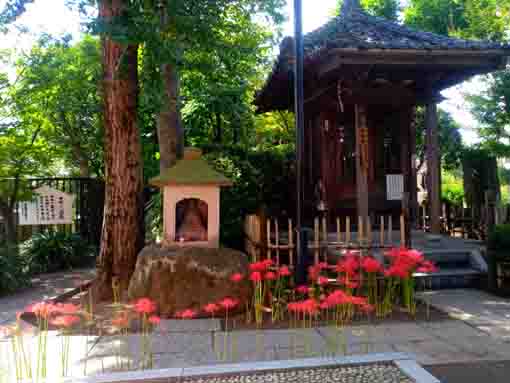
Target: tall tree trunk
{"x":169,"y":123}
{"x":170,"y":132}
{"x":10,"y":223}
{"x":122,"y":235}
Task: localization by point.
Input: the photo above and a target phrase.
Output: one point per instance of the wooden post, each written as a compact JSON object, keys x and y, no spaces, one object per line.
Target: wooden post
{"x":338,"y":230}
{"x":362,"y":160}
{"x":347,"y":230}
{"x":402,"y":231}
{"x":277,"y":241}
{"x":316,"y":233}
{"x":268,"y":229}
{"x":369,"y":230}
{"x":291,"y":245}
{"x":433,"y":167}
{"x":390,"y":229}
{"x":360,"y":229}
{"x":382,"y":231}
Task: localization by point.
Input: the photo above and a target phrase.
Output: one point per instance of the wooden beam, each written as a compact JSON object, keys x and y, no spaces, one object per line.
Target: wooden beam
{"x":361,"y":129}
{"x":410,"y":58}
{"x":433,"y":167}
{"x":413,"y":182}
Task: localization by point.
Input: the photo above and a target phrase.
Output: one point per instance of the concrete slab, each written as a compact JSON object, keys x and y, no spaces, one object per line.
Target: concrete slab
{"x":195,"y":325}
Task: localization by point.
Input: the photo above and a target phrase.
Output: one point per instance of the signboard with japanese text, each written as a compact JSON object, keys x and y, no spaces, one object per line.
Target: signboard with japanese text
{"x":49,"y":207}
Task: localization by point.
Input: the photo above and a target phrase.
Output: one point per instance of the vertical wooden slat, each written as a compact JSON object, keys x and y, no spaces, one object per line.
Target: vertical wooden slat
{"x":390,"y":230}
{"x":277,"y":241}
{"x":338,"y":232}
{"x":360,"y":229}
{"x":316,"y":240}
{"x":382,"y":231}
{"x":291,"y":244}
{"x":325,"y":237}
{"x":347,"y":230}
{"x":268,"y":232}
{"x":369,"y":229}
{"x":402,"y":231}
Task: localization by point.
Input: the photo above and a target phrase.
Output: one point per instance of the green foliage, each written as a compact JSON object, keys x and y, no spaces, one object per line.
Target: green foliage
{"x":491,"y":107}
{"x":261,"y":179}
{"x":499,"y":238}
{"x":450,"y":139}
{"x":58,"y":84}
{"x":13,"y":270}
{"x":383,"y":8}
{"x":12,"y":10}
{"x":52,"y":251}
{"x":444,"y":17}
{"x":452,"y":188}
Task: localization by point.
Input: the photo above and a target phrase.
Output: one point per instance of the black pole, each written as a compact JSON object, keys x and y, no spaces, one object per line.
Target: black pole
{"x":300,"y":138}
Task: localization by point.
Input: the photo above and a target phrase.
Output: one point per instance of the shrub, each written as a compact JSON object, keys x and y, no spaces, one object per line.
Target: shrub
{"x":52,"y":251}
{"x":499,"y":238}
{"x":13,"y":270}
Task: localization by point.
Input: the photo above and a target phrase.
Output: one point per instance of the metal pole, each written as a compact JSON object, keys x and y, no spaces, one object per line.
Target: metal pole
{"x":300,"y":137}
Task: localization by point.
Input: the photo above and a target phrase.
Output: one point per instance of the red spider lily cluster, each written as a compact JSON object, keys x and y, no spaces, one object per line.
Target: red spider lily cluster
{"x":356,"y":284}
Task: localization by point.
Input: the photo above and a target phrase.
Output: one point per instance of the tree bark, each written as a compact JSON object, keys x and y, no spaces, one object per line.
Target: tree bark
{"x":10,"y":223}
{"x":170,"y":132}
{"x":122,"y":235}
{"x":169,"y":123}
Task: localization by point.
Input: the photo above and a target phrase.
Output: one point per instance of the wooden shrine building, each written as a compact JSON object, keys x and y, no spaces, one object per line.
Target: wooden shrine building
{"x":363,"y":78}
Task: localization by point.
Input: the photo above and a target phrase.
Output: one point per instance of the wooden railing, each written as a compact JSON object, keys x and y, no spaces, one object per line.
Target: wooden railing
{"x":275,"y":239}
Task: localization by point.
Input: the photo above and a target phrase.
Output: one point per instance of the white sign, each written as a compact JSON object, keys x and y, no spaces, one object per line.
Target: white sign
{"x":395,"y":187}
{"x":49,"y":207}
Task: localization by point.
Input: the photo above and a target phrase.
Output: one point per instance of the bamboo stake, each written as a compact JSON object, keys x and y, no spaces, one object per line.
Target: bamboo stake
{"x":369,"y":230}
{"x":277,"y":236}
{"x":291,"y":245}
{"x":316,"y":239}
{"x":390,"y":230}
{"x":360,"y":229}
{"x":382,"y":230}
{"x":338,"y":232}
{"x":325,"y":237}
{"x":348,"y":230}
{"x":402,"y":231}
{"x":268,"y":227}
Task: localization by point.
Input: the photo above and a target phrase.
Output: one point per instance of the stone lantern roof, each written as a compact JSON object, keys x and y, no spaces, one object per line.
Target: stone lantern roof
{"x":192,"y":169}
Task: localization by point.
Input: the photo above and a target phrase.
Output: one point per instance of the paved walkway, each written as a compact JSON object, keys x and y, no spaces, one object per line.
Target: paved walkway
{"x":479,"y":336}
{"x":44,"y":286}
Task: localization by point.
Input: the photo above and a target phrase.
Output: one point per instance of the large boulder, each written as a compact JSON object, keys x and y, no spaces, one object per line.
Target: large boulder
{"x":189,"y":278}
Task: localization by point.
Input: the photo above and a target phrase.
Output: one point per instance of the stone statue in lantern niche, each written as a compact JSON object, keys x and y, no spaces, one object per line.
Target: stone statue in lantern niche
{"x":191,"y":216}
{"x":191,"y":202}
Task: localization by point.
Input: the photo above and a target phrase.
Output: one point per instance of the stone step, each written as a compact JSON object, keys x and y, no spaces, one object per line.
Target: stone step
{"x":451,"y":278}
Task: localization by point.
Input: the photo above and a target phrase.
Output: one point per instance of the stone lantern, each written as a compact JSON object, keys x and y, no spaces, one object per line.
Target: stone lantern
{"x":191,"y":202}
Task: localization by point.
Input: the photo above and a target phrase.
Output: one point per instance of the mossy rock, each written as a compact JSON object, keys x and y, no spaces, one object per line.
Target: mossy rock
{"x":189,"y":278}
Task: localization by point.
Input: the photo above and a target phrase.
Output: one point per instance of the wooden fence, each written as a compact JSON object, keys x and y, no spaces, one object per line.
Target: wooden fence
{"x":275,"y":239}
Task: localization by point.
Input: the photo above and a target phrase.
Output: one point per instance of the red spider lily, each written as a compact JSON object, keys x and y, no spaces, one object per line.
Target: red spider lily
{"x":145,"y":306}
{"x":237,"y":277}
{"x":322,"y":280}
{"x":256,"y":276}
{"x":357,"y":301}
{"x":337,"y":297}
{"x":154,"y":320}
{"x":65,"y":321}
{"x":66,"y":308}
{"x":303,"y":289}
{"x":270,"y":276}
{"x":310,"y":306}
{"x":427,"y":267}
{"x":367,"y":308}
{"x":324,"y":305}
{"x":371,"y":265}
{"x":284,"y":271}
{"x":121,"y":321}
{"x":399,"y":270}
{"x":350,"y":283}
{"x":349,"y":265}
{"x":261,"y":266}
{"x":186,"y":314}
{"x":314,"y":272}
{"x":211,"y":308}
{"x":228,"y":303}
{"x":42,"y":309}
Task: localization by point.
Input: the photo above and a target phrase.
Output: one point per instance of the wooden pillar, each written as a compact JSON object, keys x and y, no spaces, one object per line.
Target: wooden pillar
{"x":362,"y":160}
{"x":413,"y":177}
{"x":433,"y":166}
{"x":406,"y":116}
